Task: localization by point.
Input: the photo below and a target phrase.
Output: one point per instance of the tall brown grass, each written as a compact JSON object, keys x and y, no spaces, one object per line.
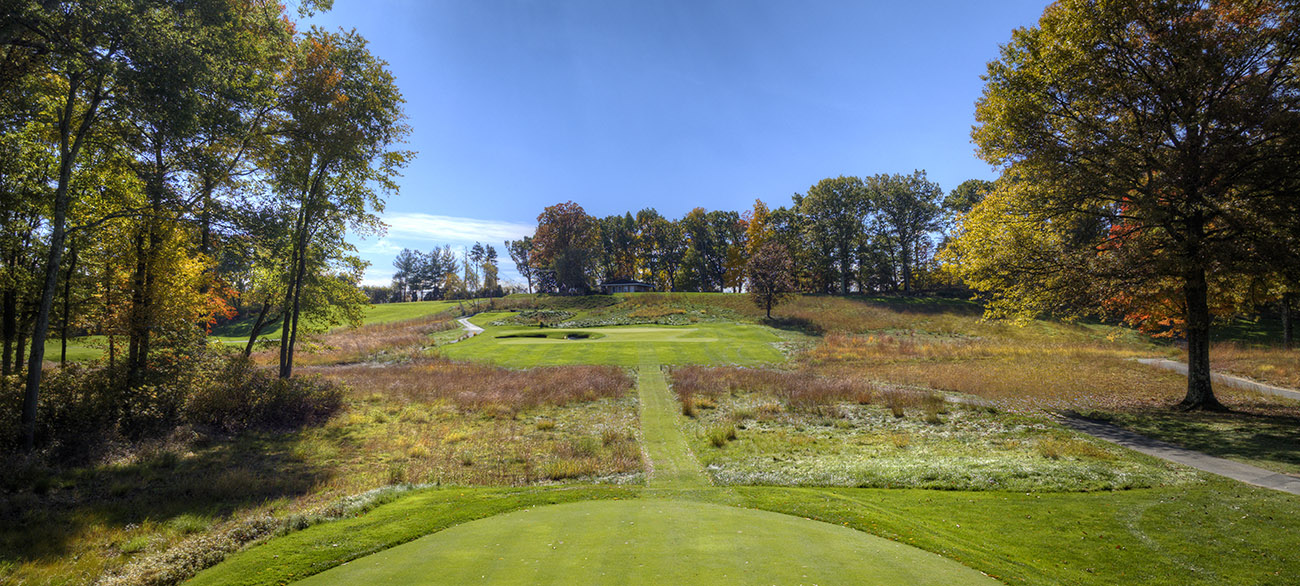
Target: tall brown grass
{"x":483,"y":387}
{"x":1016,"y":374}
{"x":1272,"y":365}
{"x":371,"y":341}
{"x":798,"y":389}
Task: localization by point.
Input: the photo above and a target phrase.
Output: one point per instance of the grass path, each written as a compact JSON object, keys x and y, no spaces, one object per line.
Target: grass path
{"x":672,"y":464}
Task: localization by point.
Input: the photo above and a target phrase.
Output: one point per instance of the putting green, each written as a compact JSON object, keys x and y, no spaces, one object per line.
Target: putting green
{"x":605,"y":336}
{"x":702,"y":343}
{"x":650,"y":542}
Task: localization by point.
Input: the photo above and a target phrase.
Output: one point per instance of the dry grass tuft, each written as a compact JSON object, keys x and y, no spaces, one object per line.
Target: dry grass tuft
{"x":1277,"y":366}
{"x":491,"y":390}
{"x":796,"y":389}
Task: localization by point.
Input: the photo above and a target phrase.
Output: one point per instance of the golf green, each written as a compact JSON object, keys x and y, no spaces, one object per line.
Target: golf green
{"x":702,"y":343}
{"x":650,"y":541}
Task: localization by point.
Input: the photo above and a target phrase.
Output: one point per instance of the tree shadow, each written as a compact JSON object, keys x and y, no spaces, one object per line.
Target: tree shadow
{"x":794,"y":324}
{"x":43,"y":519}
{"x":922,"y":305}
{"x":1260,"y":437}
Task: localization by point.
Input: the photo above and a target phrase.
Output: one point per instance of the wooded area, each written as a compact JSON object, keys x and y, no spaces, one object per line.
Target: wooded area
{"x":170,"y":164}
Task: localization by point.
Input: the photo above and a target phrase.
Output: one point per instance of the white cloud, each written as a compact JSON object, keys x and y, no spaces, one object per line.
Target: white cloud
{"x":383,"y":246}
{"x":452,"y":230}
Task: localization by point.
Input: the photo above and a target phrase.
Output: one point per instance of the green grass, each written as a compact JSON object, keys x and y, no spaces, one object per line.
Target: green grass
{"x":376,"y":314}
{"x":1197,"y":530}
{"x":1267,"y":440}
{"x":236,"y":333}
{"x":673,"y":464}
{"x":300,"y":554}
{"x":650,"y":542}
{"x":79,"y":349}
{"x":1205,"y":530}
{"x":701,"y":343}
{"x":1211,"y":532}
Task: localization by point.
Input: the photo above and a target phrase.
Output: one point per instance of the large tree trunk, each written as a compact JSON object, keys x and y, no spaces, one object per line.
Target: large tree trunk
{"x":1288,"y":320}
{"x":293,"y":294}
{"x":42,"y":325}
{"x":137,"y":326}
{"x":844,"y":268}
{"x":147,"y":244}
{"x":108,"y":314}
{"x":9,"y":328}
{"x":1200,"y":393}
{"x":67,"y":305}
{"x":907,"y":269}
{"x":69,"y":147}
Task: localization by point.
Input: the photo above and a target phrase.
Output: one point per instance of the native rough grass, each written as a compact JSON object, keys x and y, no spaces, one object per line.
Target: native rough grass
{"x":804,"y":428}
{"x":422,"y":422}
{"x":378,"y":341}
{"x":485,"y":388}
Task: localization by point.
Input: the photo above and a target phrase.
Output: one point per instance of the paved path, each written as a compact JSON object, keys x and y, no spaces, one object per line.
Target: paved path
{"x":1234,"y":470}
{"x":1227,"y":379}
{"x":470,"y":328}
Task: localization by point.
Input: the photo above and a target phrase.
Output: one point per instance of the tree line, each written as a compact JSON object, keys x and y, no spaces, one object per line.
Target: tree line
{"x":843,"y":235}
{"x":441,"y":273}
{"x":166,"y":165}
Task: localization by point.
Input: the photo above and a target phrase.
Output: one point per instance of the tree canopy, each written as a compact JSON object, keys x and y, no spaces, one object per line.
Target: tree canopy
{"x":1149,"y":164}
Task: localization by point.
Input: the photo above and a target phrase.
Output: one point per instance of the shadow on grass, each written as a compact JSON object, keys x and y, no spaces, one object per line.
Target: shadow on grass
{"x":793,"y":324}
{"x":922,"y":305}
{"x":44,"y":518}
{"x":1266,"y":440}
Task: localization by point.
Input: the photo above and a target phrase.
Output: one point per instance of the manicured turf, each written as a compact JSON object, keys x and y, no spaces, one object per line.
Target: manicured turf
{"x":650,"y":541}
{"x":318,"y":548}
{"x":672,"y":464}
{"x":702,"y":343}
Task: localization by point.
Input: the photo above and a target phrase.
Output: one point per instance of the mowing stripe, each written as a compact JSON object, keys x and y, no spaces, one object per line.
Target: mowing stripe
{"x":671,"y":461}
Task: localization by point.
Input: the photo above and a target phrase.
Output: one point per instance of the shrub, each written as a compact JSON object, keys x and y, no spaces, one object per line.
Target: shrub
{"x":243,"y":396}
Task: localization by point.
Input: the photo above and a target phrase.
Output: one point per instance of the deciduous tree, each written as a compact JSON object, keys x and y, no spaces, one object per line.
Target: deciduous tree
{"x":1151,"y":146}
{"x":771,"y":276}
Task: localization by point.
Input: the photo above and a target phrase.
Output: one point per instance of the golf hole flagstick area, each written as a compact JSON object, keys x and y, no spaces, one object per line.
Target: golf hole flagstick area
{"x":670,"y":537}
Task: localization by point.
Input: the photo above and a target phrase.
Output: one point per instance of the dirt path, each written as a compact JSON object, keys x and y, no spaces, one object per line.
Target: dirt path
{"x":1201,"y":461}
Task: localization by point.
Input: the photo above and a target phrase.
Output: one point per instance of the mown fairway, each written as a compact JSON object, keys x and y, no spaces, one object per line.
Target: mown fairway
{"x":702,"y":343}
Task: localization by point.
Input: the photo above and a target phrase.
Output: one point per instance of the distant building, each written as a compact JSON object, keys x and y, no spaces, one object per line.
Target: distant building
{"x":622,"y":286}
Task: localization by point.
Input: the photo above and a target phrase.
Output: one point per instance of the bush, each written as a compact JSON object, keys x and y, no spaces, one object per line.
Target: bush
{"x":243,"y":396}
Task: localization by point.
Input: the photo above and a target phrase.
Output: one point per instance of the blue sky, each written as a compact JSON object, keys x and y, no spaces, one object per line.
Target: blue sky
{"x":620,"y":104}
